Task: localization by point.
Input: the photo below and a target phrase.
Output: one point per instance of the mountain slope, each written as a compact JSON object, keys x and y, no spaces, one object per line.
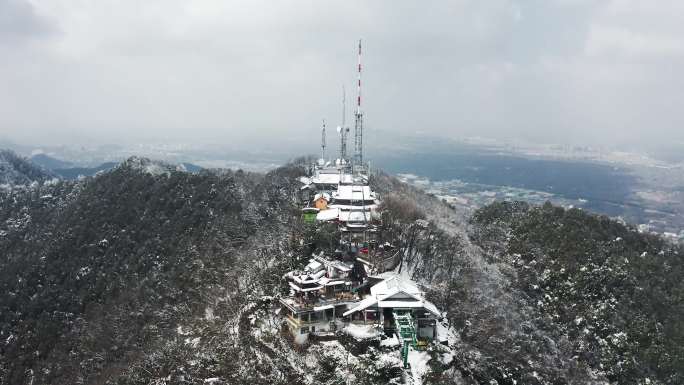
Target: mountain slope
{"x":146,"y":274}
{"x":102,"y":271}
{"x":544,"y":295}
{"x":615,"y":295}
{"x":16,"y":170}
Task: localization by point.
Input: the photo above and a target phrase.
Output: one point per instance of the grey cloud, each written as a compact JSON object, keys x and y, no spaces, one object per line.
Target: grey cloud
{"x":18,"y":20}
{"x":573,"y":71}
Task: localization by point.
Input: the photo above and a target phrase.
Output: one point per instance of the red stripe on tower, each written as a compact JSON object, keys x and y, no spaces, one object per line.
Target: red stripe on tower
{"x":358,"y":100}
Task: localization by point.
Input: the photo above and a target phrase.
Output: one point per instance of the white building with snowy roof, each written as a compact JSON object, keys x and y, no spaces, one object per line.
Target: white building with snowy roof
{"x":394,"y":297}
{"x":320,"y":294}
{"x":348,"y":197}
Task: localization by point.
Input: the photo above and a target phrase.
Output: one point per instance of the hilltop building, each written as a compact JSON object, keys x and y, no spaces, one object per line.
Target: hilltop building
{"x":392,"y":297}
{"x":354,"y":289}
{"x":331,"y":296}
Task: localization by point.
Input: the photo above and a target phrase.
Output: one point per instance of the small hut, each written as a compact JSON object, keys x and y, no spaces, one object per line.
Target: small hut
{"x":321,"y":201}
{"x":309,"y":214}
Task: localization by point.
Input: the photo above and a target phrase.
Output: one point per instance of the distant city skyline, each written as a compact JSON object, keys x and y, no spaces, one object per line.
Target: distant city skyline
{"x":254,"y":72}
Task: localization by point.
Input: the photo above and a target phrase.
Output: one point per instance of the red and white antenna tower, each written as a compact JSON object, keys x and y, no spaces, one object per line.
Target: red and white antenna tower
{"x":358,"y":127}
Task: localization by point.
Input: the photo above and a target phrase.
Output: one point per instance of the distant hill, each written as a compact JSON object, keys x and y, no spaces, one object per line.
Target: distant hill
{"x":50,"y":163}
{"x":189,"y":167}
{"x":75,"y":172}
{"x":70,"y":172}
{"x":17,"y":170}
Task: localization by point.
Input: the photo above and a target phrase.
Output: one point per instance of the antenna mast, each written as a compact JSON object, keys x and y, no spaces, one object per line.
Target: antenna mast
{"x":323,"y":141}
{"x":343,"y":130}
{"x":358,"y":126}
{"x":344,"y":106}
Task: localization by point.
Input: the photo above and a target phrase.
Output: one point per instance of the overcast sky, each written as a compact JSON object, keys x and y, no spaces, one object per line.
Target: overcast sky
{"x":567,"y":71}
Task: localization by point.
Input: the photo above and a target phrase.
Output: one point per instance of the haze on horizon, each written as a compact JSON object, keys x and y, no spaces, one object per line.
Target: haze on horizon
{"x":562,"y":71}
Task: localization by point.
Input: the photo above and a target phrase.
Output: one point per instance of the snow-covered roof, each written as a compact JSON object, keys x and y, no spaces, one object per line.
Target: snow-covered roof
{"x":297,"y":288}
{"x":330,"y":214}
{"x":324,"y":307}
{"x":355,"y":207}
{"x":355,"y":216}
{"x":313,"y":265}
{"x":394,"y":293}
{"x":363,"y":304}
{"x":338,"y":265}
{"x":323,"y":195}
{"x":325,"y":281}
{"x":393,"y":284}
{"x":307,"y":277}
{"x":325,"y":178}
{"x":354,"y":192}
{"x":312,"y":273}
{"x":346,"y":179}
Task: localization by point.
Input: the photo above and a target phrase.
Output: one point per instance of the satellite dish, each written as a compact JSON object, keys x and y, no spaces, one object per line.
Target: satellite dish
{"x":339,"y":129}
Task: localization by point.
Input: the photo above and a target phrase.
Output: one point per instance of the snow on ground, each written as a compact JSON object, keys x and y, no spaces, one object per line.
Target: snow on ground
{"x":388,"y":360}
{"x":446,"y":358}
{"x":419,"y":365}
{"x":155,"y":169}
{"x":301,"y":339}
{"x":209,"y":314}
{"x":390,"y":342}
{"x":335,"y":349}
{"x":362,"y":332}
{"x":445,"y":333}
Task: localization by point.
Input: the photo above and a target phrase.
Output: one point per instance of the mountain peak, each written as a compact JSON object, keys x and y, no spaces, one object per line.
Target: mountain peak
{"x":148,"y":166}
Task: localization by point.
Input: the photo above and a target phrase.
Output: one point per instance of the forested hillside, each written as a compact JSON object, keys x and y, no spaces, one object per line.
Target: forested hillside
{"x":614,"y":294}
{"x":147,"y":274}
{"x":16,"y":170}
{"x":99,"y":273}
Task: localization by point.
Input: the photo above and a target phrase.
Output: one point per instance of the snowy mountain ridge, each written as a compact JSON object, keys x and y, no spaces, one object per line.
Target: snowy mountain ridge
{"x":131,"y":278}
{"x":16,"y":170}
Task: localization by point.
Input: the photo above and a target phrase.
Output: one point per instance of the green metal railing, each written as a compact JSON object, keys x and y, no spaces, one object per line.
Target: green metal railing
{"x":406,"y":331}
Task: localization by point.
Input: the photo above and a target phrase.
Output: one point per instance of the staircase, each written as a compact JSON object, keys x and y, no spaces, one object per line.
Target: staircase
{"x":406,"y":332}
